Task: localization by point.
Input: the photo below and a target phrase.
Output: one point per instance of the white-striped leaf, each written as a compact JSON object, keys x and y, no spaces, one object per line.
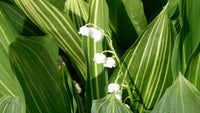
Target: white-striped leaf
{"x":78,"y":10}
{"x":181,"y":97}
{"x":147,"y":64}
{"x":97,"y":74}
{"x":127,"y":20}
{"x":10,"y":89}
{"x":34,"y":61}
{"x":10,"y":105}
{"x":152,"y":8}
{"x":57,"y":23}
{"x":58,"y":4}
{"x":109,"y":104}
{"x":20,"y":21}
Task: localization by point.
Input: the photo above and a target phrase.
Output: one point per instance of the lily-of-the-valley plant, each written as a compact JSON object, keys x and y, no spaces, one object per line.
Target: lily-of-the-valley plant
{"x":99,"y":56}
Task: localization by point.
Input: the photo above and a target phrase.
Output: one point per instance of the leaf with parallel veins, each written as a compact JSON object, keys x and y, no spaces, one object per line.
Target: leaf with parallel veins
{"x":11,"y":94}
{"x":181,"y":97}
{"x":34,"y":61}
{"x":147,"y":64}
{"x":58,"y":24}
{"x":97,"y":77}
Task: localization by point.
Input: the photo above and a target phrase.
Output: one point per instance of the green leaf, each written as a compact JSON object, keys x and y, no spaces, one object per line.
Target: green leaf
{"x":71,"y":90}
{"x":189,"y":36}
{"x":10,"y":105}
{"x":34,"y":61}
{"x":181,"y":97}
{"x":134,"y":9}
{"x":78,"y":10}
{"x":147,"y":64}
{"x":152,"y":8}
{"x":58,"y":24}
{"x":174,"y":14}
{"x":109,"y":104}
{"x":97,"y":75}
{"x":173,"y":7}
{"x":127,"y":20}
{"x":176,"y":57}
{"x":191,"y":26}
{"x":193,"y":69}
{"x":58,"y":4}
{"x":9,"y":85}
{"x":20,"y":21}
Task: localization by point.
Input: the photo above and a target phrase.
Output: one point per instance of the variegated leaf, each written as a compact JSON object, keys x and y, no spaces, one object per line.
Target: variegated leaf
{"x":57,"y":23}
{"x":147,"y":64}
{"x":78,"y":10}
{"x":109,"y":104}
{"x":11,"y":93}
{"x":97,"y":75}
{"x":20,"y":21}
{"x":34,"y":61}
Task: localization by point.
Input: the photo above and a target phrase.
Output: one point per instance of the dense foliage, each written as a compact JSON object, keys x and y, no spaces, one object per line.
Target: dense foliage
{"x":99,"y":56}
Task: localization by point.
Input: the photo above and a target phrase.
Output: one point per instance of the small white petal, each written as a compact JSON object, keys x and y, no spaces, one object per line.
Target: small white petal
{"x":91,"y":32}
{"x":113,"y":87}
{"x":96,"y":34}
{"x":99,"y":58}
{"x":84,"y":31}
{"x":127,"y":105}
{"x":118,"y":96}
{"x":110,"y":62}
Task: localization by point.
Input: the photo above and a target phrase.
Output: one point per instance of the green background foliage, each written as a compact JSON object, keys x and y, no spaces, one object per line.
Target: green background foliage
{"x":155,"y":43}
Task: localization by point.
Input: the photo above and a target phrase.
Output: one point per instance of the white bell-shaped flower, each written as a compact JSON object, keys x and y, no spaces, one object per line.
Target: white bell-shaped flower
{"x":99,"y":58}
{"x":110,"y":62}
{"x":96,"y":34}
{"x":113,"y":87}
{"x":84,"y":31}
{"x":118,"y":95}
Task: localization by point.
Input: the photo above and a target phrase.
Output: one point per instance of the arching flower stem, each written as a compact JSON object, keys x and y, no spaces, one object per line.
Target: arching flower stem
{"x":120,"y":66}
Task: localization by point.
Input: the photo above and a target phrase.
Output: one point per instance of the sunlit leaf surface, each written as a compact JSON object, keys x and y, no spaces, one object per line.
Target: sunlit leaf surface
{"x":109,"y":104}
{"x":181,"y":97}
{"x":58,"y":24}
{"x":147,"y":64}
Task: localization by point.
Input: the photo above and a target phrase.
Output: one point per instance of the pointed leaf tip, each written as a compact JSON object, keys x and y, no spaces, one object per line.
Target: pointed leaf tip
{"x":181,"y":97}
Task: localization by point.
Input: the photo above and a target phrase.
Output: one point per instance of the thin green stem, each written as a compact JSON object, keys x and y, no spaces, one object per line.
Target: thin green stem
{"x":91,"y":24}
{"x":120,"y":66}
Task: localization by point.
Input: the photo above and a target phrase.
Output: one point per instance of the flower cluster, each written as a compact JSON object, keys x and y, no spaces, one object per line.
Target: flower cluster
{"x":113,"y":87}
{"x":91,"y":32}
{"x":97,"y":35}
{"x":100,"y":58}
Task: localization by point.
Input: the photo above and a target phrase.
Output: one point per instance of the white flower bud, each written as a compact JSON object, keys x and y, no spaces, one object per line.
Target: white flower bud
{"x":110,"y":62}
{"x":113,"y":87}
{"x":84,"y":31}
{"x":99,"y":58}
